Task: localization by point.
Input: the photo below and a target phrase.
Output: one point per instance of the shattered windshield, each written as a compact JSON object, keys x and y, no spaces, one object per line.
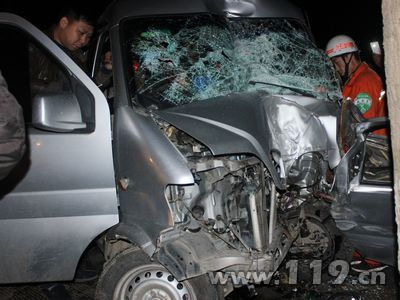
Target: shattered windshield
{"x":174,"y":61}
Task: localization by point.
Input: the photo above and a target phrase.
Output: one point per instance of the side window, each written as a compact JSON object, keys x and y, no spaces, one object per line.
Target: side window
{"x":35,"y":76}
{"x":103,"y":74}
{"x":377,"y":167}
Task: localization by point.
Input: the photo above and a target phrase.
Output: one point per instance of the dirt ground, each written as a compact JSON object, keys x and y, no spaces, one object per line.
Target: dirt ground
{"x":350,"y":289}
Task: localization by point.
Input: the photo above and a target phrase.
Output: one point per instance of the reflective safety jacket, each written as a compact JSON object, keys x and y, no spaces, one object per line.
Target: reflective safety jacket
{"x":364,"y":88}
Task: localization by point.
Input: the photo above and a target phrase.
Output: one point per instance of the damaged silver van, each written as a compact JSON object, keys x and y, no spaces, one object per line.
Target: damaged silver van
{"x":216,"y":150}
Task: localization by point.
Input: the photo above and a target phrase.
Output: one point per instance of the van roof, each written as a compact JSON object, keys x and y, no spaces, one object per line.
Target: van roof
{"x":120,"y":9}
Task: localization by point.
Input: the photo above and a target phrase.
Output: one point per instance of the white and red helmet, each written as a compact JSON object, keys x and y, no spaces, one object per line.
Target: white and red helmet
{"x":339,"y":45}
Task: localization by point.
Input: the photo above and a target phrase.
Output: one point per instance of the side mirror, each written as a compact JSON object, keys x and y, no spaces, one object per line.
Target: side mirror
{"x":57,"y":112}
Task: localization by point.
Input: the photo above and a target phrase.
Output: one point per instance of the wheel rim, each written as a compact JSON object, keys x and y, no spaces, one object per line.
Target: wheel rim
{"x":152,"y":282}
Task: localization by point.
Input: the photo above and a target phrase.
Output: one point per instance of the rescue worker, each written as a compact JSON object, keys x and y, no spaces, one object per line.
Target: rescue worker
{"x":361,"y":84}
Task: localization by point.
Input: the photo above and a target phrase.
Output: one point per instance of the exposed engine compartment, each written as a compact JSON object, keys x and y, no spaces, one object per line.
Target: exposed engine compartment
{"x":227,"y":196}
{"x":235,"y":203}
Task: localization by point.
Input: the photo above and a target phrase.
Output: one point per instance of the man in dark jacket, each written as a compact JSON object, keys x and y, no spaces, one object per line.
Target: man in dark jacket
{"x":72,"y":32}
{"x":12,"y":130}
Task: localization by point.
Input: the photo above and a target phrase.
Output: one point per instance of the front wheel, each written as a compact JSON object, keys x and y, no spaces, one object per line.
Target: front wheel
{"x":316,"y":241}
{"x":131,"y":275}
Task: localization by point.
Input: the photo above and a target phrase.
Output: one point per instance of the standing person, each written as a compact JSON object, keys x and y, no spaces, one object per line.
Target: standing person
{"x":361,"y":84}
{"x":104,"y":78}
{"x":72,"y":32}
{"x":104,"y":75}
{"x":378,"y":59}
{"x":12,"y":130}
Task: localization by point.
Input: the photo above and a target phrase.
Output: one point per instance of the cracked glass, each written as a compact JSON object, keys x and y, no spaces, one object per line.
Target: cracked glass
{"x":174,"y":61}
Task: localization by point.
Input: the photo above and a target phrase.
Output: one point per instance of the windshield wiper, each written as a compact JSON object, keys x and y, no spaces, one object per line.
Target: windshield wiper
{"x":294,"y":89}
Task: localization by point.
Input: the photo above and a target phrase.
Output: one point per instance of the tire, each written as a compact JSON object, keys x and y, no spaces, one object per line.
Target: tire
{"x":132,"y":275}
{"x":325,"y":252}
{"x":344,"y":249}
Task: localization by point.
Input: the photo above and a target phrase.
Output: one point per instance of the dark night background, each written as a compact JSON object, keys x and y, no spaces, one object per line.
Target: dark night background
{"x":362,"y":20}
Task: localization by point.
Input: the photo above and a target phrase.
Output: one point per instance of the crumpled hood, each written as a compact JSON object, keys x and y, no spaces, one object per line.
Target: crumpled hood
{"x":302,"y":124}
{"x":254,"y":123}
